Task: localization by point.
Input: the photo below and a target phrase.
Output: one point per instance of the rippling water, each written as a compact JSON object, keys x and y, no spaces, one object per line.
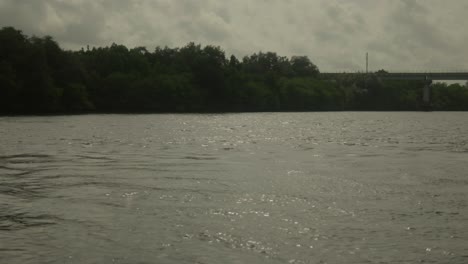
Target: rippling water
{"x":236,"y":188}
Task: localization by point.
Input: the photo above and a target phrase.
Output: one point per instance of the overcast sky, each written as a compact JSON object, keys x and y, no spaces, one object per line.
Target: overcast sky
{"x":335,"y":34}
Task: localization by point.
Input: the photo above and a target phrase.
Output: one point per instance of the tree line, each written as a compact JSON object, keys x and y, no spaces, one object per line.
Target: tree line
{"x":37,"y":76}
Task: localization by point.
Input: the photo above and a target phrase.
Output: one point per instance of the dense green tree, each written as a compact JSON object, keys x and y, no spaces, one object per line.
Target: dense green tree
{"x":37,"y":76}
{"x":303,"y":67}
{"x":452,"y":97}
{"x":9,"y":87}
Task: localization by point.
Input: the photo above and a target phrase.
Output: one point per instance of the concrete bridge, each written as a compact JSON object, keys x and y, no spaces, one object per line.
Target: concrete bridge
{"x":416,"y":76}
{"x":429,"y":76}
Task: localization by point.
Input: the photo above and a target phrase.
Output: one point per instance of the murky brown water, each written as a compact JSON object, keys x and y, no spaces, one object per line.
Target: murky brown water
{"x":237,"y":188}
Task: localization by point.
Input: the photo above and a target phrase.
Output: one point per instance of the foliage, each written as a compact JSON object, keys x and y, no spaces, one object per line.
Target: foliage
{"x":37,"y":76}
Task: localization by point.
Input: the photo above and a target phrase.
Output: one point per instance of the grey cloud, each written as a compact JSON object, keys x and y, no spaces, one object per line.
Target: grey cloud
{"x":412,"y":26}
{"x":68,"y":23}
{"x":334,"y":33}
{"x":21,"y":14}
{"x":416,"y":35}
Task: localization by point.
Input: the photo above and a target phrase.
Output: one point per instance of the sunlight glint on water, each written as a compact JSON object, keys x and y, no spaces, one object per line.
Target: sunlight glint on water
{"x":235,"y":188}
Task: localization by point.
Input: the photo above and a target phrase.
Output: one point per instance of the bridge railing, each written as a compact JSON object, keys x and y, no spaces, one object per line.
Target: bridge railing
{"x":398,"y":71}
{"x":405,"y":75}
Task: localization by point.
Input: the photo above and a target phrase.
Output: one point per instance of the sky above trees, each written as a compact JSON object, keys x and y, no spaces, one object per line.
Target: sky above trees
{"x":398,"y":34}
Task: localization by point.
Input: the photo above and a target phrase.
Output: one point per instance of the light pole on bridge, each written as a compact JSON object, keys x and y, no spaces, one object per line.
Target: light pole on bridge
{"x":367,"y":62}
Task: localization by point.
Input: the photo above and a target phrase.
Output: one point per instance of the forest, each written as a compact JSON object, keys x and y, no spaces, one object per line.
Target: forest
{"x":37,"y":76}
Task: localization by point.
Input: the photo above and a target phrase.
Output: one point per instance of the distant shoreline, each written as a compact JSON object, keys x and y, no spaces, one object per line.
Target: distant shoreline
{"x":219,"y":113}
{"x":38,"y":77}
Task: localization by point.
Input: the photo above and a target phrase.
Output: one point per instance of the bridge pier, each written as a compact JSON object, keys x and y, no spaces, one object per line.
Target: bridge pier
{"x":427,"y":95}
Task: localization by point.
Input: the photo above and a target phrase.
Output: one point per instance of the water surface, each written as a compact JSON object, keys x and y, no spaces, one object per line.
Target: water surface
{"x":235,"y":188}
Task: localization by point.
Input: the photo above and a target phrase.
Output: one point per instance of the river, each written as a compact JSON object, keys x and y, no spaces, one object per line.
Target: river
{"x":345,"y":187}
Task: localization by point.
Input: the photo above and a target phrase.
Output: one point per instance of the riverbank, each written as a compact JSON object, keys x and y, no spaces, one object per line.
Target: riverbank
{"x":37,"y":76}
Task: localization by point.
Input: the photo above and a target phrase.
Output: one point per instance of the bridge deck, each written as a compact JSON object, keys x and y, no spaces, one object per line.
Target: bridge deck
{"x":405,"y":75}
